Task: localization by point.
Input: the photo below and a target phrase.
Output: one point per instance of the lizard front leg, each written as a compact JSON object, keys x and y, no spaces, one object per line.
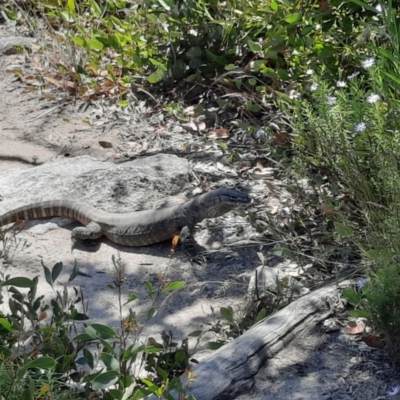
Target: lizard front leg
{"x":89,"y":232}
{"x":188,"y":245}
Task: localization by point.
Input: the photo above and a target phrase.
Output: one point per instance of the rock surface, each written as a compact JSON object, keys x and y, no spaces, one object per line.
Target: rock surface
{"x":131,"y":186}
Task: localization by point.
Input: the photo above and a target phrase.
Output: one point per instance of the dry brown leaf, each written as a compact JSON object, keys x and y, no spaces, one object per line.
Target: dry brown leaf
{"x":221,"y":133}
{"x":325,"y":209}
{"x":270,"y":186}
{"x":189,"y":111}
{"x":242,"y":165}
{"x":201,"y":126}
{"x":281,"y":137}
{"x":175,"y":240}
{"x":61,"y":83}
{"x":105,"y":145}
{"x":42,"y":315}
{"x":324,"y":5}
{"x":355,"y":328}
{"x":153,"y":342}
{"x":108,"y":83}
{"x":160,"y":130}
{"x":259,"y":165}
{"x":373,"y":341}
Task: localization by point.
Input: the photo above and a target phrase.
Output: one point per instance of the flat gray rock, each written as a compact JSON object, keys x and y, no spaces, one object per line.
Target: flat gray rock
{"x":131,"y":186}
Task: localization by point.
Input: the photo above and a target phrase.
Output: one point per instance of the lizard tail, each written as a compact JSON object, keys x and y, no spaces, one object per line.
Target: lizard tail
{"x":59,"y":208}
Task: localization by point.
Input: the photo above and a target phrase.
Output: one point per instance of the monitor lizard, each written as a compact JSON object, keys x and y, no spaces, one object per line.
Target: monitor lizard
{"x":137,"y":228}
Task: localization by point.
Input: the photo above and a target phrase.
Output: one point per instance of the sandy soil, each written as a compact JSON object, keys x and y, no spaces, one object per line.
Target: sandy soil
{"x":321,"y":364}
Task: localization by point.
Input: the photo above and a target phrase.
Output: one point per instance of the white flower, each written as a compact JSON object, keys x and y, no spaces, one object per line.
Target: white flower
{"x":310,"y":72}
{"x":314,"y":87}
{"x":341,"y":84}
{"x":395,"y":390}
{"x":361,"y":127}
{"x":353,"y":75}
{"x":331,"y":100}
{"x":361,"y":283}
{"x":368,"y":63}
{"x":378,"y":8}
{"x":294,"y":94}
{"x":373,"y":98}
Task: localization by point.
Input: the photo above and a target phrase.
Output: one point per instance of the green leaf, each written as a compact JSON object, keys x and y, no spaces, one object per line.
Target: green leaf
{"x":149,"y":287}
{"x":230,"y":67}
{"x":393,"y":77}
{"x":173,"y":286}
{"x":10,"y":14}
{"x":365,"y":5}
{"x":292,"y":18}
{"x":152,"y":349}
{"x":387,"y":54}
{"x":107,"y":345}
{"x":131,"y":351}
{"x":165,"y":5}
{"x":55,"y":273}
{"x":6,"y":352}
{"x":352,"y":297}
{"x":306,"y":30}
{"x":156,"y":77}
{"x":68,"y":17}
{"x":104,"y":380}
{"x":213,"y":345}
{"x":343,"y":230}
{"x":71,"y":6}
{"x":47,"y":274}
{"x":79,"y":317}
{"x":74,"y":272}
{"x":6,"y":325}
{"x":274,"y":5}
{"x":96,"y":10}
{"x":19,"y":282}
{"x":104,"y":331}
{"x":252,"y":106}
{"x":88,"y":356}
{"x":261,"y":315}
{"x":128,"y":392}
{"x":195,"y":333}
{"x":227,"y":312}
{"x":132,"y":297}
{"x":79,"y":41}
{"x":191,"y":78}
{"x":158,"y":64}
{"x":83,"y":337}
{"x":360,"y":314}
{"x":95,"y":44}
{"x":151,"y":313}
{"x":161,"y":372}
{"x":109,"y":361}
{"x":194,"y":52}
{"x":181,"y":356}
{"x":43,"y":363}
{"x":254,"y":46}
{"x":123,"y":103}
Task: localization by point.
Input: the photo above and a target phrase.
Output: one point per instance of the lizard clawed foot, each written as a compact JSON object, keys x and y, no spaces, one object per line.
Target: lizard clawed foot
{"x":198,"y":259}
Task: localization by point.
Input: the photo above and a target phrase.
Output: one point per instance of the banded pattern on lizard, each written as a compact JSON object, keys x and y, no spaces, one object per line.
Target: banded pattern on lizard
{"x":137,"y":228}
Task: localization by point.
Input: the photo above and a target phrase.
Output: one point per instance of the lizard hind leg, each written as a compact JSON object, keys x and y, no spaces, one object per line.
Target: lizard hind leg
{"x":89,"y":232}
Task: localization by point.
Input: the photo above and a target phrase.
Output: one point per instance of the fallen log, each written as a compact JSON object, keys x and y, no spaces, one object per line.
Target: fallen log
{"x":229,"y":371}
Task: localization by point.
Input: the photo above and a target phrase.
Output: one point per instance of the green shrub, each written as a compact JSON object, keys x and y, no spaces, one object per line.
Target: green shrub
{"x":347,"y":140}
{"x":42,"y":356}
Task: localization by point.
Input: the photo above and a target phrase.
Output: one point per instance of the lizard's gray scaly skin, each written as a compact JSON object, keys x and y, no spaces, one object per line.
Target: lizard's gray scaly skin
{"x":137,"y":228}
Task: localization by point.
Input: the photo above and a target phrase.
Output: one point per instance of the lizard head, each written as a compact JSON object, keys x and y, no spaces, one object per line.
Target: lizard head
{"x":221,"y":201}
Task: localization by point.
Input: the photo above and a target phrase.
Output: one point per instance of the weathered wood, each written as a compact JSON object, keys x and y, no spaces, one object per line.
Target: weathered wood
{"x":229,"y":371}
